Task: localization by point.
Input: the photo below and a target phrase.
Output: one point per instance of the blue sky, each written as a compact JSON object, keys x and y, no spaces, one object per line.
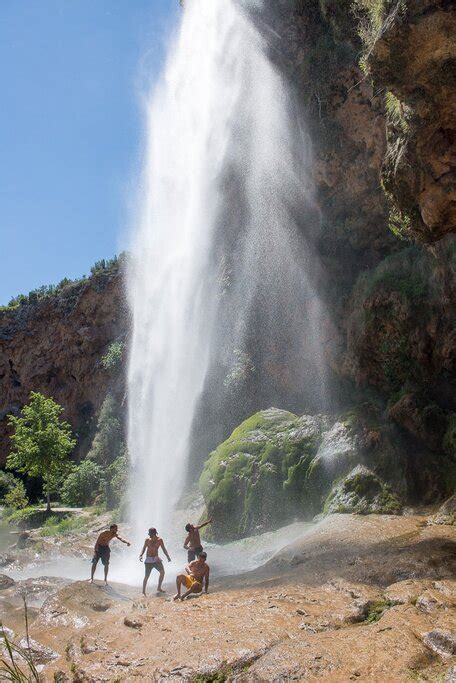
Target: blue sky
{"x":72,"y":76}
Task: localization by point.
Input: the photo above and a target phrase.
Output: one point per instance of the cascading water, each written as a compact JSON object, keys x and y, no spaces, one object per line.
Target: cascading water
{"x":220,"y":262}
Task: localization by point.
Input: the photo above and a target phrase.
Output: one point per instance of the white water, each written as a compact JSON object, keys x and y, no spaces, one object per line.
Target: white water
{"x":225,"y":181}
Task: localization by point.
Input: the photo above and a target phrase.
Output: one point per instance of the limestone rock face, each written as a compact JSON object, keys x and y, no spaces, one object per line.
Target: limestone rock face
{"x":277,"y":466}
{"x":55,"y":346}
{"x":361,"y":491}
{"x":414,"y":58}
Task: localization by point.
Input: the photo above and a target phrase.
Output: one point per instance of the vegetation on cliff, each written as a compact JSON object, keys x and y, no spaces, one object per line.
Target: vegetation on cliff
{"x":41,"y":442}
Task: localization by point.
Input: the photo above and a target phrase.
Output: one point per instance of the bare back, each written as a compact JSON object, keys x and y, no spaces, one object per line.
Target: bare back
{"x":194,"y":540}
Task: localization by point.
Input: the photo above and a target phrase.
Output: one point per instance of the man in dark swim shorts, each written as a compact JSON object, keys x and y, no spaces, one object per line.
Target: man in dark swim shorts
{"x":102,"y":550}
{"x":192,"y":543}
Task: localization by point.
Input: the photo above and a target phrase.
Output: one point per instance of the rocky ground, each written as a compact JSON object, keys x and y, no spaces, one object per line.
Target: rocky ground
{"x":358,"y":598}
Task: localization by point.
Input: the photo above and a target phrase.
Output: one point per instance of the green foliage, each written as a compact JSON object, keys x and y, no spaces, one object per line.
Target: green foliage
{"x":362,"y":492}
{"x":396,"y":112}
{"x":30,"y":517}
{"x":7,"y":482}
{"x":108,"y":443}
{"x":404,"y":272}
{"x":82,"y":485}
{"x":45,"y":291}
{"x":114,"y":355}
{"x":116,"y":482}
{"x":377,"y":608}
{"x":258,"y":477}
{"x":16,"y":497}
{"x":41,"y":442}
{"x":54,"y":526}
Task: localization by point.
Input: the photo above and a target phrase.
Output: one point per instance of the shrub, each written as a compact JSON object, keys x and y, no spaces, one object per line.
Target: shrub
{"x":16,"y":497}
{"x":82,"y":485}
{"x":113,"y":357}
{"x":116,"y":482}
{"x":54,"y":526}
{"x":107,"y":444}
{"x":7,"y":482}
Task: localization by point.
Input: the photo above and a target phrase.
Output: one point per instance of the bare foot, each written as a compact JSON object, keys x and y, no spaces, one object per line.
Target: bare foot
{"x":160,"y":590}
{"x":90,"y":580}
{"x":177,"y":597}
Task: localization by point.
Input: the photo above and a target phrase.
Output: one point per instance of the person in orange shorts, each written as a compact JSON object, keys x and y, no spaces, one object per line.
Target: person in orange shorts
{"x":197,"y":574}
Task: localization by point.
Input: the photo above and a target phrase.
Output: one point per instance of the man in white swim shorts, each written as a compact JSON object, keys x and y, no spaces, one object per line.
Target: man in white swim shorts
{"x":153,"y":544}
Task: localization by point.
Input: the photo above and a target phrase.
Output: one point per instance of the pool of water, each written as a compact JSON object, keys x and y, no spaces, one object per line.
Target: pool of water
{"x":233,"y":558}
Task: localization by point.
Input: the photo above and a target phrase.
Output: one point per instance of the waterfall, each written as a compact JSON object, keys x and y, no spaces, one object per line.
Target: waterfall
{"x":221,"y":267}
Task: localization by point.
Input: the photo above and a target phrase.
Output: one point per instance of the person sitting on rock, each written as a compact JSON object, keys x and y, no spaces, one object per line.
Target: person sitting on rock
{"x":103,"y":551}
{"x":153,"y":561}
{"x":196,"y":572}
{"x":193,"y":541}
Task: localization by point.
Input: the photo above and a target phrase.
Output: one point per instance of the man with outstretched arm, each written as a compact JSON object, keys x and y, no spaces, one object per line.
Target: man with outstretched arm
{"x":193,"y":541}
{"x":103,"y":551}
{"x":153,"y":544}
{"x":197,"y":573}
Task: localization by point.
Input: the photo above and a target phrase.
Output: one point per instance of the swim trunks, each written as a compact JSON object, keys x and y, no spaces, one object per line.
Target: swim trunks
{"x":102,"y":553}
{"x":152,"y":563}
{"x":191,"y":582}
{"x":194,"y":552}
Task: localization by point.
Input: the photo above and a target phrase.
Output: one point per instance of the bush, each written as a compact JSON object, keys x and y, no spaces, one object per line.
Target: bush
{"x":107,"y":444}
{"x":116,"y":482}
{"x":113,"y":357}
{"x":29,"y":518}
{"x":7,"y":482}
{"x":82,"y":485}
{"x":16,"y":497}
{"x":54,"y":526}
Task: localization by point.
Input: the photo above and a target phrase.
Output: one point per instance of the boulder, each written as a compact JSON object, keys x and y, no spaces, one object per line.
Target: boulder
{"x":6,"y":582}
{"x":259,"y":478}
{"x":362,"y":492}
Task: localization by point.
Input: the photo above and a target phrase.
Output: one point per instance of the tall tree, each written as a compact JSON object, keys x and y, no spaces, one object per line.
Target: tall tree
{"x":41,"y":442}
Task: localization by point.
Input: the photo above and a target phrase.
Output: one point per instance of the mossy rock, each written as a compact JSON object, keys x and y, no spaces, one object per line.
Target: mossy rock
{"x":273,"y":468}
{"x":362,"y":492}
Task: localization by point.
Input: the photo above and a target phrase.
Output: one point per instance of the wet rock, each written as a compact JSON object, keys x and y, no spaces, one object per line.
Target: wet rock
{"x":132,"y":623}
{"x":441,"y":642}
{"x":40,"y":653}
{"x":362,"y":492}
{"x":101,"y":605}
{"x":23,"y":539}
{"x":6,"y":582}
{"x":6,"y":560}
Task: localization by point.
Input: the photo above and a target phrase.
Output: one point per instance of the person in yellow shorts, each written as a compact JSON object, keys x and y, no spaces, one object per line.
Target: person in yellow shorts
{"x":197,"y":573}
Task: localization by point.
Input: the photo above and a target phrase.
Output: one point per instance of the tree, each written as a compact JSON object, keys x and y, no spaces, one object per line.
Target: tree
{"x":41,"y":442}
{"x":82,"y":484}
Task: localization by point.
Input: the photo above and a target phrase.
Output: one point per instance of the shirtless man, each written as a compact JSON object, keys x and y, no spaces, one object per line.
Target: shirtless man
{"x":196,"y":572}
{"x":103,"y":551}
{"x":153,"y":561}
{"x":193,"y":541}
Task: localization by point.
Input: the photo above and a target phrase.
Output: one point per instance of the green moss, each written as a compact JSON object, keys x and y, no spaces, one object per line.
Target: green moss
{"x":361,"y":492}
{"x":257,"y":478}
{"x":376,"y":609}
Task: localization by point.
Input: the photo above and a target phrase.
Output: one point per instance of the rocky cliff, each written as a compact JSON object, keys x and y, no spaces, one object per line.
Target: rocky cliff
{"x":55,"y":345}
